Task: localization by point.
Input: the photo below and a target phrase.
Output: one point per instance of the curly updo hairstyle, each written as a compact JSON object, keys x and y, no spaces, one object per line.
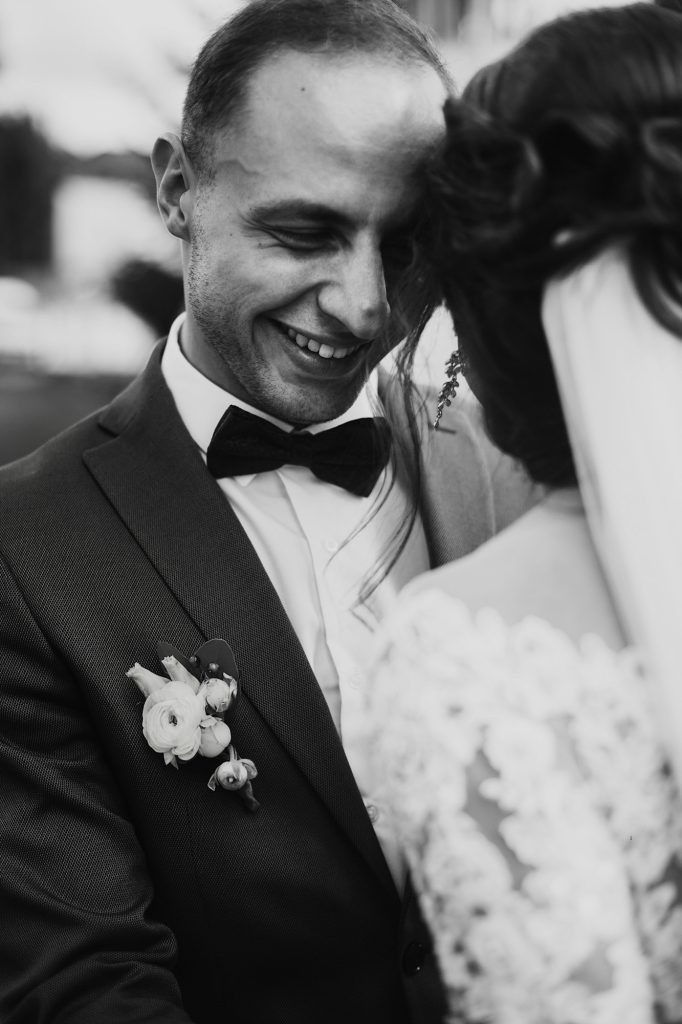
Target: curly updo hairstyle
{"x":570,"y":144}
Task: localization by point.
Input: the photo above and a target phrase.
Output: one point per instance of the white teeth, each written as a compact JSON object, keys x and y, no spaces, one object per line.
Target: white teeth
{"x":323,"y":350}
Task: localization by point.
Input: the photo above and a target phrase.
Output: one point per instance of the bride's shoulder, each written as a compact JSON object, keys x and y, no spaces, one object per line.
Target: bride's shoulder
{"x":544,"y":566}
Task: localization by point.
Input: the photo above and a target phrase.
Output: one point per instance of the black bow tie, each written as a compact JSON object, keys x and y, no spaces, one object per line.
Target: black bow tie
{"x":351,"y":455}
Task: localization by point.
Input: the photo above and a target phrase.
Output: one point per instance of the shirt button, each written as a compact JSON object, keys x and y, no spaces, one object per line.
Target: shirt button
{"x":332,"y":546}
{"x":373,"y":812}
{"x":413,"y":958}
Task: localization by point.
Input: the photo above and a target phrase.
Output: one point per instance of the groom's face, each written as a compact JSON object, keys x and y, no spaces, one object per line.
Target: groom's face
{"x":297,"y":239}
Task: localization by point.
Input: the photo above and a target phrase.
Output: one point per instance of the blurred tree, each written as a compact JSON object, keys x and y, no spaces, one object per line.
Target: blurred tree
{"x":151,"y":291}
{"x":28,"y":177}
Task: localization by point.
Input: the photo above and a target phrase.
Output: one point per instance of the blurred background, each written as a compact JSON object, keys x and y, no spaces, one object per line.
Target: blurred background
{"x":89,"y":278}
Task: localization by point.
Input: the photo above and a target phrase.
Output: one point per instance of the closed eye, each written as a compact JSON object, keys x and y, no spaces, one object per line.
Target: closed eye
{"x":303,"y":240}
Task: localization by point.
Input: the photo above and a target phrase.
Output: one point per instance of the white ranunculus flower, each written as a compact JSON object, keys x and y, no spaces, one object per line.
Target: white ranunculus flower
{"x":171,"y":721}
{"x":215,"y":737}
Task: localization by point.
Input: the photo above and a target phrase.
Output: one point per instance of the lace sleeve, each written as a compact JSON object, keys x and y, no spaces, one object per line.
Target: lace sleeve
{"x":538,"y":817}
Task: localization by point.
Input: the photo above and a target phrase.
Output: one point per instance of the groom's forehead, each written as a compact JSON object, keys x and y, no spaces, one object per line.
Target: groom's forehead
{"x":302,"y":99}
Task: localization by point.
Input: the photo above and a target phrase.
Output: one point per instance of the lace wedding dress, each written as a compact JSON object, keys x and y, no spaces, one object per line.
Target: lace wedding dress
{"x":539,"y":818}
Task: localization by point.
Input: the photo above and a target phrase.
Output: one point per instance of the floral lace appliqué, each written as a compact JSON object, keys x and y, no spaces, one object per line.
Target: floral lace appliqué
{"x":539,"y":818}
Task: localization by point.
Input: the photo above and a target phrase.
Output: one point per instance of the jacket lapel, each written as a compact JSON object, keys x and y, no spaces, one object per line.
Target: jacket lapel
{"x":152,"y":473}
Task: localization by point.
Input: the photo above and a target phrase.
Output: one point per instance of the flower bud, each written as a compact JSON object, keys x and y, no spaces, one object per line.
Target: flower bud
{"x":233,"y":774}
{"x":215,"y":737}
{"x":179,"y":674}
{"x":147,"y":681}
{"x":219,"y":693}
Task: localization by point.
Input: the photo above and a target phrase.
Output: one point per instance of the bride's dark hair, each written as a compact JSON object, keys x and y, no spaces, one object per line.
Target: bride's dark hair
{"x":571,"y":143}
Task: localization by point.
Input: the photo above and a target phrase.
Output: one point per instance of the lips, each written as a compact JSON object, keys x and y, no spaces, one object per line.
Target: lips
{"x":320,"y":348}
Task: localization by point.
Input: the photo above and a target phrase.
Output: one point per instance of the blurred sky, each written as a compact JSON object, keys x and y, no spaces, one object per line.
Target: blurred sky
{"x":102,"y":76}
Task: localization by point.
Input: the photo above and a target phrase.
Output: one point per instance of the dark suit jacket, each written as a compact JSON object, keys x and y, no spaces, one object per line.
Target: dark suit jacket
{"x":129,"y":891}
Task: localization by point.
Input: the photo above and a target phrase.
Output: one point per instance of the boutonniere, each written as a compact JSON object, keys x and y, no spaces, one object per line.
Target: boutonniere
{"x":184,"y":712}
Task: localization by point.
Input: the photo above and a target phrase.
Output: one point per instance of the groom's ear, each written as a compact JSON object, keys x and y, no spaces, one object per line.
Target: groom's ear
{"x":174,"y":185}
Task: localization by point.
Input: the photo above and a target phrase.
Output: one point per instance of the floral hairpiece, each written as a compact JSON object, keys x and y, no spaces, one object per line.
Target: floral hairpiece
{"x":453,"y":368}
{"x":184,"y":714}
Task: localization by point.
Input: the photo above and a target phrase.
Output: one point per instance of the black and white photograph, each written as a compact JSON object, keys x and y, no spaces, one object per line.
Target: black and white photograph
{"x":340,"y":512}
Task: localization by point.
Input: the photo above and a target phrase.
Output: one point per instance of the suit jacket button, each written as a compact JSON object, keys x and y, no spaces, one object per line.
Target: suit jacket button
{"x":413,"y":958}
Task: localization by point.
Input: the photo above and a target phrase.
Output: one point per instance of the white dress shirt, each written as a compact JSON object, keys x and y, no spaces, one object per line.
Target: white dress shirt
{"x":300,"y":528}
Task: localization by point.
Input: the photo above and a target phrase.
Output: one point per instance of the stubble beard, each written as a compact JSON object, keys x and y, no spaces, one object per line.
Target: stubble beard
{"x":298,"y":405}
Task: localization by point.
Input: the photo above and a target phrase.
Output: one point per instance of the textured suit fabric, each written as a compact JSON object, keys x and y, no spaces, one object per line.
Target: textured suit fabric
{"x":129,"y":892}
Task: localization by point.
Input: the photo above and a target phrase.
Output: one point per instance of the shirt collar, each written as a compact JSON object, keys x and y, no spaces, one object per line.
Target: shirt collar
{"x":201,"y":403}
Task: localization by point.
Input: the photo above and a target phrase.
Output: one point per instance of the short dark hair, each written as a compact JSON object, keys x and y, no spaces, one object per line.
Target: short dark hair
{"x":576,"y":135}
{"x":225,"y":66}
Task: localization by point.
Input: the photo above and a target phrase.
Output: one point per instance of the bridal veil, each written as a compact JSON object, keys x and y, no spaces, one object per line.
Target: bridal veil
{"x":620,"y":378}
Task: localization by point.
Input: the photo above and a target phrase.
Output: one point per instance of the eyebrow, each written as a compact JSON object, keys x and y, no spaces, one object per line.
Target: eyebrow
{"x":298,"y":209}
